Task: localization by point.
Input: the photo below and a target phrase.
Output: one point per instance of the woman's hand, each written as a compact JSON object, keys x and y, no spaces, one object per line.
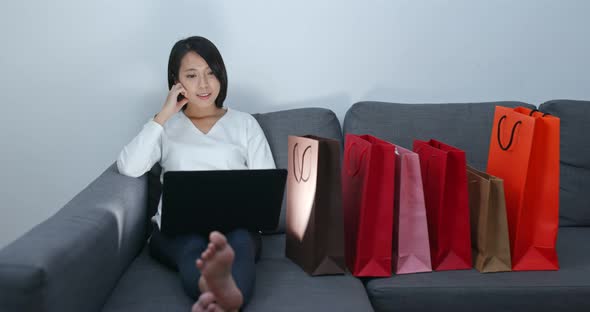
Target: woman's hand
{"x":172,"y":105}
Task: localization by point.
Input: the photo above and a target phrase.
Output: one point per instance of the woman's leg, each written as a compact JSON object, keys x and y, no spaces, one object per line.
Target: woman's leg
{"x":190,"y":249}
{"x":246,"y":247}
{"x":180,"y":253}
{"x":161,"y":248}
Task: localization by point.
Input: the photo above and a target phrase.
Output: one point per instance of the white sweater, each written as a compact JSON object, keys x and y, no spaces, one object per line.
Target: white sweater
{"x":236,"y":141}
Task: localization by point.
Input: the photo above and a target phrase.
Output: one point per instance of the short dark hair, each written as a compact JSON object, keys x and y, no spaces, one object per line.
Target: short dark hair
{"x":208,"y":51}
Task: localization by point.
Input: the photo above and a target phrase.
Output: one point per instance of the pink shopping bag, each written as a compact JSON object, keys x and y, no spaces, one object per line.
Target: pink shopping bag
{"x":411,"y":250}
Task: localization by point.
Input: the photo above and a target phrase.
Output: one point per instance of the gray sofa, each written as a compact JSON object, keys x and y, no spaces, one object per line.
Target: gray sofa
{"x":91,"y":255}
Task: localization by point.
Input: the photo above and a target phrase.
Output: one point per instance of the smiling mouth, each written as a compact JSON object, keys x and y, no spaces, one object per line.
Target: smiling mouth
{"x":204,"y":96}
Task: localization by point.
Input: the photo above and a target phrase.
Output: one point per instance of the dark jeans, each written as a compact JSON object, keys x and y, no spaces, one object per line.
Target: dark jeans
{"x":181,"y":252}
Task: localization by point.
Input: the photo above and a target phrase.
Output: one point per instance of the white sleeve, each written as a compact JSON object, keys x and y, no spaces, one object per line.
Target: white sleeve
{"x":142,"y":152}
{"x":259,"y":154}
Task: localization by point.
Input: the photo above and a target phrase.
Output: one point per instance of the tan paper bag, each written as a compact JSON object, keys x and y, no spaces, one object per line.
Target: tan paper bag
{"x":489,"y":225}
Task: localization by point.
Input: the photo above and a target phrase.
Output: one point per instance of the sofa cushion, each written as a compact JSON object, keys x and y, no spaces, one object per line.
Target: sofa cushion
{"x":273,"y":246}
{"x":148,"y":286}
{"x":467,"y":126}
{"x":277,"y":126}
{"x":280,"y":286}
{"x":565,"y":290}
{"x":575,"y":160}
{"x":281,"y":281}
{"x":283,"y":286}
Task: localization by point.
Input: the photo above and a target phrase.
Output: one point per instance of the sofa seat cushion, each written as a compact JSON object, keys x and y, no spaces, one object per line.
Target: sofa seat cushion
{"x":273,"y":246}
{"x":288,"y":283}
{"x":280,"y":286}
{"x":565,"y":290}
{"x":148,"y":286}
{"x":467,"y":126}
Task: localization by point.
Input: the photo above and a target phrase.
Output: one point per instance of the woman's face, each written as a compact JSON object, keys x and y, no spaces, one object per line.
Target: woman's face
{"x":201,"y":85}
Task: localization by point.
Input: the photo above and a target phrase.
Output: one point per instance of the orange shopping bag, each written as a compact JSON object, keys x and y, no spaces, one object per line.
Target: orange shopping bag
{"x":524,"y":151}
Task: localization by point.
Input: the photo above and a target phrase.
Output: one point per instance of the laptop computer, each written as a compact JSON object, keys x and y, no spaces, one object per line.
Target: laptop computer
{"x":198,"y":202}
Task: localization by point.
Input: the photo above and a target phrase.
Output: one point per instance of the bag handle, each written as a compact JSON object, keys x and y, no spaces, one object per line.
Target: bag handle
{"x":536,"y":110}
{"x":357,"y":168}
{"x":505,"y":148}
{"x":300,"y":178}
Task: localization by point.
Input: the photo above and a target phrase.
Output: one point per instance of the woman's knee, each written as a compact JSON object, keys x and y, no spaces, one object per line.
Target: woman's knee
{"x":246,"y":244}
{"x":240,"y":237}
{"x":190,"y":245}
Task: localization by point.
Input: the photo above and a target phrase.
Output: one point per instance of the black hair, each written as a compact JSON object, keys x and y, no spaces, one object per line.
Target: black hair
{"x":208,"y":51}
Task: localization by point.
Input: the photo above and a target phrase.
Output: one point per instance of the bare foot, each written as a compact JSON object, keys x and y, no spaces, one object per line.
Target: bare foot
{"x":215,"y":265}
{"x":206,"y":303}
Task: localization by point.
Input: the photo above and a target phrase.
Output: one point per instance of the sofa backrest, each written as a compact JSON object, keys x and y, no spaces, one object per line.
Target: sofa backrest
{"x":277,"y":126}
{"x":466,"y":126}
{"x":574,"y":184}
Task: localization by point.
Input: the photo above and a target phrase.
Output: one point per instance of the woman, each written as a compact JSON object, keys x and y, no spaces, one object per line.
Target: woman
{"x":194,"y":131}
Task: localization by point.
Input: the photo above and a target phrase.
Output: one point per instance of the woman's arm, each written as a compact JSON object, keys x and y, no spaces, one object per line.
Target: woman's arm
{"x":145,"y":149}
{"x":142,"y":152}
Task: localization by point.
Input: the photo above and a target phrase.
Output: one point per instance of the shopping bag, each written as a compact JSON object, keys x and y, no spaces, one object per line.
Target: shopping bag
{"x":444,"y":176}
{"x":411,"y":249}
{"x":368,"y":198}
{"x":314,"y":220}
{"x":524,"y":152}
{"x":489,"y":226}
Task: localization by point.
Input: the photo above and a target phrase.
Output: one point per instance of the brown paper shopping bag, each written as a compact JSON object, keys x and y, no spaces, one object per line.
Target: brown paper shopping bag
{"x":314,"y":218}
{"x":489,"y":225}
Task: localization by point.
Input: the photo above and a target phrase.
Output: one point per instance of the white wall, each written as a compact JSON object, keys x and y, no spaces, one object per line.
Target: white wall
{"x":77,"y":80}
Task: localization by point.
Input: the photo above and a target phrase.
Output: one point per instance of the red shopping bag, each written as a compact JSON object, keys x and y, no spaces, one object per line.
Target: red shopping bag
{"x":524,"y":152}
{"x":444,"y":175}
{"x":411,"y":249}
{"x":368,"y":189}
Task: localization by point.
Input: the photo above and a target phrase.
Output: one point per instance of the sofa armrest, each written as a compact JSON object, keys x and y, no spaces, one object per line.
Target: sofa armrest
{"x":73,"y":260}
